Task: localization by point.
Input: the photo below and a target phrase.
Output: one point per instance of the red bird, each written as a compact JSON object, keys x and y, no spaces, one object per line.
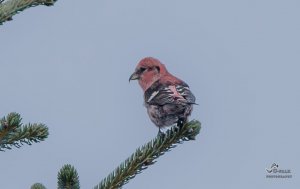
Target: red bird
{"x":168,"y":99}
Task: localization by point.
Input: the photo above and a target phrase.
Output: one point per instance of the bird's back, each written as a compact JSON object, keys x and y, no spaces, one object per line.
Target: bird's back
{"x":168,"y":101}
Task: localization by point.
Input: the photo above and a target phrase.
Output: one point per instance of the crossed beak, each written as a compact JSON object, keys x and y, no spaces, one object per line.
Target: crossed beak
{"x":134,"y":76}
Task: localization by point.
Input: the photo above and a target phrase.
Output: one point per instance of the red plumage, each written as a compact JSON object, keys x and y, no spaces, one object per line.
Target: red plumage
{"x":168,"y":99}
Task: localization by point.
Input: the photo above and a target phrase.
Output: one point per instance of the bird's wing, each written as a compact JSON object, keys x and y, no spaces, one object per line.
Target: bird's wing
{"x":186,"y":93}
{"x":168,"y":94}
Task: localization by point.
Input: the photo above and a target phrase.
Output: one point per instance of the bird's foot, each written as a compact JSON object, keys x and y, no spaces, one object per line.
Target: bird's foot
{"x":180,"y":122}
{"x":160,"y":133}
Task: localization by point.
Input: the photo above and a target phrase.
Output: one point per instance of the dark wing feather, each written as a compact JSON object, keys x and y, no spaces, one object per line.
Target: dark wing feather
{"x":162,"y":94}
{"x":186,"y":93}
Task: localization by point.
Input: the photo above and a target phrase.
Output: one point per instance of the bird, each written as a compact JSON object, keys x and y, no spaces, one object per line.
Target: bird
{"x":168,"y":99}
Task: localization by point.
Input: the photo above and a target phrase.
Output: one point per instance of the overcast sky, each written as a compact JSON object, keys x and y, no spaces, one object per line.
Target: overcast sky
{"x":68,"y":66}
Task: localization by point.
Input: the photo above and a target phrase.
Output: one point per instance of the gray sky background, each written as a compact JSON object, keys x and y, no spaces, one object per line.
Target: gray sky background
{"x":68,"y":66}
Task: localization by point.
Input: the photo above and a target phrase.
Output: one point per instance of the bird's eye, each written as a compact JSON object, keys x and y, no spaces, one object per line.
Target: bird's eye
{"x":142,"y":69}
{"x":158,"y":69}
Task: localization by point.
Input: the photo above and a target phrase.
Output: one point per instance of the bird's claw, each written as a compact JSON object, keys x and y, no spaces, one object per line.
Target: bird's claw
{"x":160,"y":133}
{"x":180,"y":123}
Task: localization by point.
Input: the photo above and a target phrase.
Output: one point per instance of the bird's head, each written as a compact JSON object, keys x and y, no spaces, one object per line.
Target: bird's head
{"x":148,"y":71}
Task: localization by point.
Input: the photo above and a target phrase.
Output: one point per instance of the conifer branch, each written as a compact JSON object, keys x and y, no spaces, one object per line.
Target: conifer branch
{"x":12,"y":7}
{"x":146,"y":155}
{"x":37,"y":186}
{"x":12,"y":133}
{"x":68,"y":178}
